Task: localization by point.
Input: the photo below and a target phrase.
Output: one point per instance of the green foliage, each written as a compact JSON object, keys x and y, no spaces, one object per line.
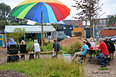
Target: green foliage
{"x":37,"y":24}
{"x":29,"y":44}
{"x":65,"y":50}
{"x":103,"y":68}
{"x":54,"y":74}
{"x":56,"y":26}
{"x":54,"y":68}
{"x":14,"y":23}
{"x":75,"y":47}
{"x":18,"y":45}
{"x":18,"y":34}
{"x":40,"y":24}
{"x":4,"y":11}
{"x":6,"y":16}
{"x":47,"y":47}
{"x":2,"y":24}
{"x":112,"y":21}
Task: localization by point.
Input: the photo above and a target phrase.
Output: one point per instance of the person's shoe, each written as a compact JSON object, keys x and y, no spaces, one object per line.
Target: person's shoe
{"x":80,"y":61}
{"x":103,"y":65}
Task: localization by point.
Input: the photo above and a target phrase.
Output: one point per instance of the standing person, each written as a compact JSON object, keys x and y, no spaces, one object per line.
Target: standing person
{"x":56,"y":48}
{"x":23,"y":49}
{"x":83,"y":50}
{"x":104,"y":52}
{"x":36,"y":48}
{"x":92,"y":43}
{"x":87,"y":42}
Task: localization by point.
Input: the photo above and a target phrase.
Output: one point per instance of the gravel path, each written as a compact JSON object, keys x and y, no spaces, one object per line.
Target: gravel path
{"x":92,"y":70}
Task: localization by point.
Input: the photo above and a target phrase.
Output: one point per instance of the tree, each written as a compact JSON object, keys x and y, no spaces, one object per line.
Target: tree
{"x":2,"y":24}
{"x":37,"y":24}
{"x":4,"y":11}
{"x":6,"y":16}
{"x":56,"y":26}
{"x":112,"y":21}
{"x":18,"y":34}
{"x":40,"y":24}
{"x":88,"y":10}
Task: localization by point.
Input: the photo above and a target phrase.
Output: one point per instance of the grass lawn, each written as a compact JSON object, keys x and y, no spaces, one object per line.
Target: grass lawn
{"x":35,"y":68}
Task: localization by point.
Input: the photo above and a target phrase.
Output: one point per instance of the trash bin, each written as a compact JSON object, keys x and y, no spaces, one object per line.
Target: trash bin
{"x":67,"y":58}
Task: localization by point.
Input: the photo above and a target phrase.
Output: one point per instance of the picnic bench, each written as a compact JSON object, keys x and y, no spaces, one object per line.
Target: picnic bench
{"x":90,"y":52}
{"x":19,"y":54}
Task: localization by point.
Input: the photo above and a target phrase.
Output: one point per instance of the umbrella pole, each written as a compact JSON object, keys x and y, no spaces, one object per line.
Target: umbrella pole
{"x":43,"y":40}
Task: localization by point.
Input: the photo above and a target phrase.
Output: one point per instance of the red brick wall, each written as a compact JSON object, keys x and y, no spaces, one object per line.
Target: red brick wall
{"x":108,"y":32}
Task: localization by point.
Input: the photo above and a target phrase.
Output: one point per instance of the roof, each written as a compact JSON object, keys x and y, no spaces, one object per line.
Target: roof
{"x":29,"y":29}
{"x":108,"y":32}
{"x":73,"y":22}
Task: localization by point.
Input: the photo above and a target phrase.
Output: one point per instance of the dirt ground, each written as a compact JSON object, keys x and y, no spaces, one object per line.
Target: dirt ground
{"x":11,"y":73}
{"x":91,"y":70}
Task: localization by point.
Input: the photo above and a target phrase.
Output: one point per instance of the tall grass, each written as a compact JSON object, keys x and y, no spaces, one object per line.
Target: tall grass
{"x":54,"y":68}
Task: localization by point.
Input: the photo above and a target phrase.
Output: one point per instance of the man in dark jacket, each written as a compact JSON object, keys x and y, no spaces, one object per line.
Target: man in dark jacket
{"x":112,"y":47}
{"x":11,"y":58}
{"x":108,"y":45}
{"x":56,"y":48}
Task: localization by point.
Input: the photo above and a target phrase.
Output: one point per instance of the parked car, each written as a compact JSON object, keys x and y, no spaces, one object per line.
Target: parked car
{"x":113,"y":39}
{"x":62,"y":36}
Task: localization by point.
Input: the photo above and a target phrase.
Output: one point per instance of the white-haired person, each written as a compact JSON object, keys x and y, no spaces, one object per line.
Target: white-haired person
{"x":92,"y":43}
{"x":36,"y":47}
{"x":23,"y":49}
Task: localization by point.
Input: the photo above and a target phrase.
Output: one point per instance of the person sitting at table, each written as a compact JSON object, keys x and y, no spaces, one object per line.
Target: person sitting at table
{"x":104,"y":52}
{"x":82,"y":52}
{"x":112,"y":48}
{"x":23,"y":49}
{"x":88,"y":43}
{"x":92,"y":43}
{"x":108,"y":44}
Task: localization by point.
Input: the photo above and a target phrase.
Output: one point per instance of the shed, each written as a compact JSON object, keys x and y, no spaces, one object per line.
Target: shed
{"x":30,"y":29}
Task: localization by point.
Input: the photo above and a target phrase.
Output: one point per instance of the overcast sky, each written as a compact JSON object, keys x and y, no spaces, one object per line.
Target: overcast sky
{"x":109,"y":6}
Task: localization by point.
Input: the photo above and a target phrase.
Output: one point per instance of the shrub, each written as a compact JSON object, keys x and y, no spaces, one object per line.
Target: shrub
{"x":75,"y":47}
{"x":29,"y":44}
{"x":65,"y":50}
{"x":18,"y":46}
{"x":47,"y":47}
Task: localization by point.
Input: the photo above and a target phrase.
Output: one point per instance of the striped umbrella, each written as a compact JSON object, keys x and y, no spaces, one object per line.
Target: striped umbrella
{"x":48,"y":11}
{"x":41,"y":11}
